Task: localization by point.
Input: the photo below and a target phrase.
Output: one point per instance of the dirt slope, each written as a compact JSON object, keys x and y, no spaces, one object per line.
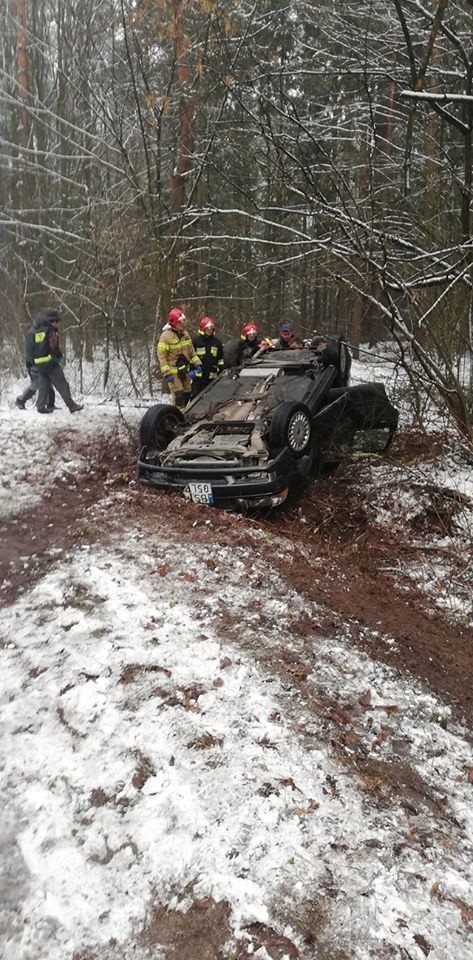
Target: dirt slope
{"x":340,"y":558}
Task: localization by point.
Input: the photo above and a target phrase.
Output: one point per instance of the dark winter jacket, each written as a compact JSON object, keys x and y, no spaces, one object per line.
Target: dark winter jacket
{"x":29,"y":348}
{"x":293,"y":344}
{"x":237,"y":352}
{"x":46,"y":349}
{"x":210,"y":353}
{"x":248,"y":348}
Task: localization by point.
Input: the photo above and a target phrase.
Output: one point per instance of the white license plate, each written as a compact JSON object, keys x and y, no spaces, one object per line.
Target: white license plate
{"x":200,"y":492}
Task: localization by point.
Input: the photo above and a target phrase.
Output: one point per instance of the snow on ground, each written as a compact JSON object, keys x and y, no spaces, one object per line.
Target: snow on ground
{"x":150,"y":758}
{"x":112,"y":676}
{"x":39,"y":449}
{"x":400,"y":495}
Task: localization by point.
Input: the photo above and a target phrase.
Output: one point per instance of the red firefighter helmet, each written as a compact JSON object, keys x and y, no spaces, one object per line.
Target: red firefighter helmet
{"x":174,"y":316}
{"x":249,"y":328}
{"x":206,"y":323}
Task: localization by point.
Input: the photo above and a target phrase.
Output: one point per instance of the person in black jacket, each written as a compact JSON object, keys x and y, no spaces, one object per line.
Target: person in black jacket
{"x":209,"y":350}
{"x":47,"y":359}
{"x":287,"y":338}
{"x":32,"y":388}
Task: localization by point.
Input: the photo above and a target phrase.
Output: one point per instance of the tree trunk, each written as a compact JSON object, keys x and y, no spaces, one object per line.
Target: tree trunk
{"x":24,"y":118}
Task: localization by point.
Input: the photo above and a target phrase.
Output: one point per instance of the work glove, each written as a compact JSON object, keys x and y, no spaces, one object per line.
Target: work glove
{"x":169,"y":378}
{"x":195,"y":372}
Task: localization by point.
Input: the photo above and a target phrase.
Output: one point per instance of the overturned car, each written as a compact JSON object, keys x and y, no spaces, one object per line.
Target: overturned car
{"x":265,"y":428}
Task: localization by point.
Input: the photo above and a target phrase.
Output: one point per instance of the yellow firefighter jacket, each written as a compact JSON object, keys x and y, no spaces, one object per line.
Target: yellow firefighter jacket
{"x":176,"y":352}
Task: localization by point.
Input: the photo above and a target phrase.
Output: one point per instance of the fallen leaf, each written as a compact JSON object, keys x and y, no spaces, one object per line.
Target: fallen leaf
{"x":337,"y":715}
{"x":298,"y":670}
{"x":289,"y":782}
{"x":423,"y":944}
{"x":206,"y":741}
{"x":466,"y":912}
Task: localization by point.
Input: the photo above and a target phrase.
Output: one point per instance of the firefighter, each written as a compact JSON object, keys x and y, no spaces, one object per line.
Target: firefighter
{"x":209,"y":350}
{"x":177,"y":358}
{"x":48,"y":360}
{"x":249,"y":342}
{"x":239,"y":351}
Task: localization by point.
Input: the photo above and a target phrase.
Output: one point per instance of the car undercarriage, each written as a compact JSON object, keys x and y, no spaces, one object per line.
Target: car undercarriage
{"x":262,"y":429}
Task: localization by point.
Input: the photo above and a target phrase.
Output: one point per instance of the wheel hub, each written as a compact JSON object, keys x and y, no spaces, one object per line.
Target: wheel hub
{"x":299,"y":432}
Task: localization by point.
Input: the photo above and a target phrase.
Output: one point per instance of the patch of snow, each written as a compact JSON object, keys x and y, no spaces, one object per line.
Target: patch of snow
{"x":116,"y":671}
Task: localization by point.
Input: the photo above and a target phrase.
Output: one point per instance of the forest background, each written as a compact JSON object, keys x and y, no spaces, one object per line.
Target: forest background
{"x":246,"y":160}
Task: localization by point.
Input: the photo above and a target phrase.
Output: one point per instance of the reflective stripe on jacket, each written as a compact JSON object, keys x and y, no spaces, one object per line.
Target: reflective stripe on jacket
{"x":172,"y":346}
{"x":42,"y":352}
{"x":210,"y":353}
{"x":46,"y":345}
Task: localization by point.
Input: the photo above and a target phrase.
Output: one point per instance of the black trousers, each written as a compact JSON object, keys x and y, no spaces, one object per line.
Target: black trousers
{"x":53,"y":376}
{"x":33,"y":387}
{"x":199,"y":383}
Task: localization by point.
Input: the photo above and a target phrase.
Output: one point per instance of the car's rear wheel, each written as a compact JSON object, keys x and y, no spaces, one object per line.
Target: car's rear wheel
{"x":160,"y":425}
{"x":337,"y":355}
{"x":291,"y":427}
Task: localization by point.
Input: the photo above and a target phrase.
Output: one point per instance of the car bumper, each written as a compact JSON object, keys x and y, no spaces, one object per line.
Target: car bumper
{"x":248,"y":487}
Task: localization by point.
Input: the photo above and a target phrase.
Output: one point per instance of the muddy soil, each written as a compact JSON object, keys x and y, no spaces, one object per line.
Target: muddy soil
{"x":340,"y":560}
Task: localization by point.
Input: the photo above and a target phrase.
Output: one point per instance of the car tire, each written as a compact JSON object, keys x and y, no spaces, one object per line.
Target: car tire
{"x":336,"y":354}
{"x":160,"y":425}
{"x":291,"y":427}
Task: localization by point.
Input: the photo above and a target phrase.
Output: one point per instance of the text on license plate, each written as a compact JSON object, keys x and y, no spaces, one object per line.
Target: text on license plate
{"x":200,"y":492}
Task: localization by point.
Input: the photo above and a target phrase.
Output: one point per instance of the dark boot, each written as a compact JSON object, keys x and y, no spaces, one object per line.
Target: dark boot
{"x":26,"y":395}
{"x":75,"y":407}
